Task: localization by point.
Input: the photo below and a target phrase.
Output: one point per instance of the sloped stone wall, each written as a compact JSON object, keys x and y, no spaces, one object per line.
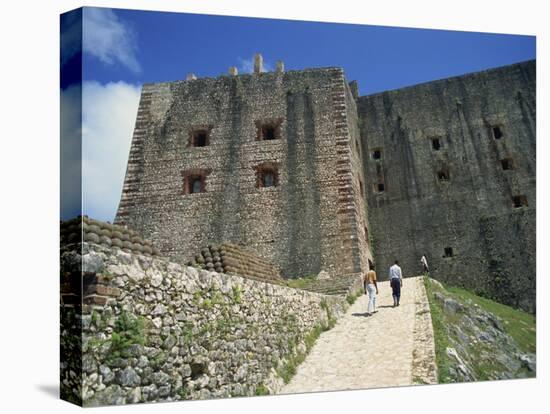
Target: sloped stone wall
{"x":232,"y":259}
{"x":308,"y":222}
{"x":420,"y":214}
{"x":175,"y":332}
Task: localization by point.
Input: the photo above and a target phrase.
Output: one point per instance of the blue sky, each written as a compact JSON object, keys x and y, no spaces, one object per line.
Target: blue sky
{"x":122,"y":49}
{"x":168,"y":45}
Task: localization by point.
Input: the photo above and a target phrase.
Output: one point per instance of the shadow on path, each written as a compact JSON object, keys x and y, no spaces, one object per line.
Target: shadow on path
{"x":363,"y":315}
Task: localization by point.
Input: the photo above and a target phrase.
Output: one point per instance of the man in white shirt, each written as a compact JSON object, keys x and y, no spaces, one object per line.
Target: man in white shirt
{"x":396,"y":282}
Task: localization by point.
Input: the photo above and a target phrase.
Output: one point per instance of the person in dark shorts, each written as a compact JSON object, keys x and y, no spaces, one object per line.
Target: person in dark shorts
{"x":396,"y":282}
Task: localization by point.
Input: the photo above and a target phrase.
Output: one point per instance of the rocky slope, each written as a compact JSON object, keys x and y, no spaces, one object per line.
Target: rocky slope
{"x":478,"y":339}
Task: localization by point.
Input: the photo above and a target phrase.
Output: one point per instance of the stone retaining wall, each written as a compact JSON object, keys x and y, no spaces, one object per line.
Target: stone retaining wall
{"x":174,"y":332}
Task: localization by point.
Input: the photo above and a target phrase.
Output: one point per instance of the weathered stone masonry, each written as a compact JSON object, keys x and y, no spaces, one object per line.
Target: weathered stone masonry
{"x":313,"y":219}
{"x":436,"y":163}
{"x":160,"y":331}
{"x":449,"y":191}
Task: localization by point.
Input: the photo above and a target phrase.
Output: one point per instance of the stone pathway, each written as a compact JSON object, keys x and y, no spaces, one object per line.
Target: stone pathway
{"x":371,"y":352}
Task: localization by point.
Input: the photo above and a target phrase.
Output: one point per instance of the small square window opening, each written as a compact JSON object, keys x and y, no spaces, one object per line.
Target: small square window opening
{"x":507,"y":164}
{"x":436,"y":144}
{"x":519,"y":201}
{"x":268,"y":132}
{"x":443,"y":175}
{"x":376,"y":154}
{"x":268,"y":179}
{"x":200,"y":138}
{"x":448,"y":252}
{"x":194,"y":181}
{"x":497,"y":132}
{"x":267,"y":175}
{"x":195,"y":184}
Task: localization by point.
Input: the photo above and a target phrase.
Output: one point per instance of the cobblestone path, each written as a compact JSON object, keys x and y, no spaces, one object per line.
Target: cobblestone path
{"x":391,"y":348}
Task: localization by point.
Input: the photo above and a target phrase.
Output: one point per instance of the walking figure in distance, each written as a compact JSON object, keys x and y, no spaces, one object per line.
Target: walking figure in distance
{"x":425,"y":265}
{"x":369,"y":282}
{"x":396,"y":282}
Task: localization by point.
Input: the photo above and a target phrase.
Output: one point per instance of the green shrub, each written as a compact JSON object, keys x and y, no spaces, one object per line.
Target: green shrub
{"x":261,"y":389}
{"x":128,"y":330}
{"x":237,"y":294}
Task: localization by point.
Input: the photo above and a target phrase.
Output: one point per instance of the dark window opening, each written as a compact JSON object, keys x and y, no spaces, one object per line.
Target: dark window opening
{"x":376,"y":154}
{"x":196,"y":185}
{"x":200,"y":138}
{"x":194,"y":181}
{"x":361,"y":188}
{"x":436,"y":144}
{"x":497,"y":132}
{"x":267,"y":175}
{"x":443,"y":175}
{"x":367,"y":234}
{"x":448,"y":252}
{"x":268,"y":132}
{"x":268,"y":179}
{"x":507,"y":164}
{"x":380,"y":187}
{"x":519,"y":201}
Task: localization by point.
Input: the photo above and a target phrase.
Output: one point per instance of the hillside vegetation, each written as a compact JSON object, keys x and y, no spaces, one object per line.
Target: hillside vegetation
{"x":478,"y":339}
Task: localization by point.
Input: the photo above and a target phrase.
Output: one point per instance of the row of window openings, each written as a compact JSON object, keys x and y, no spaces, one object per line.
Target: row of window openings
{"x":265,"y":177}
{"x":201,"y":137}
{"x":443,"y":175}
{"x":436,"y":143}
{"x":506,"y":164}
{"x":518,"y":201}
{"x":266,"y":132}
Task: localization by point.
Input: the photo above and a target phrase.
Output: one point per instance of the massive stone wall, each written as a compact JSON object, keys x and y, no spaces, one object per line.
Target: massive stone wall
{"x":312,"y":220}
{"x":160,"y":331}
{"x":449,"y":197}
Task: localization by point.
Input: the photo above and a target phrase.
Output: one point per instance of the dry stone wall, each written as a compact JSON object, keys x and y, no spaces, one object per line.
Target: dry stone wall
{"x":172,"y":332}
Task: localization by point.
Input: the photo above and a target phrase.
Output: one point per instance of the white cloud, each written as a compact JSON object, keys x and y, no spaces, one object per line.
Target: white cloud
{"x":106,"y":37}
{"x":108,"y":118}
{"x":247,"y":65}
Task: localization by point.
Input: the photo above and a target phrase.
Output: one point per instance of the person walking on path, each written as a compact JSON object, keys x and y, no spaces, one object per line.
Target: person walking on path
{"x":396,"y":282}
{"x":369,"y":282}
{"x":424,"y":265}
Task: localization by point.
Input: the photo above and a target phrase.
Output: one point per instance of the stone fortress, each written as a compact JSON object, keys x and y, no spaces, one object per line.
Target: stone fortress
{"x":298,"y":168}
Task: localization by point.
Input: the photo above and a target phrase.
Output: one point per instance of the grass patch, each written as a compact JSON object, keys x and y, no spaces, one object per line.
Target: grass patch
{"x":288,"y":370}
{"x":518,"y":324}
{"x":237,"y":295}
{"x":440,"y":334}
{"x":418,"y":380}
{"x":352,"y":297}
{"x":261,"y":389}
{"x":301,"y":283}
{"x":128,"y":330}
